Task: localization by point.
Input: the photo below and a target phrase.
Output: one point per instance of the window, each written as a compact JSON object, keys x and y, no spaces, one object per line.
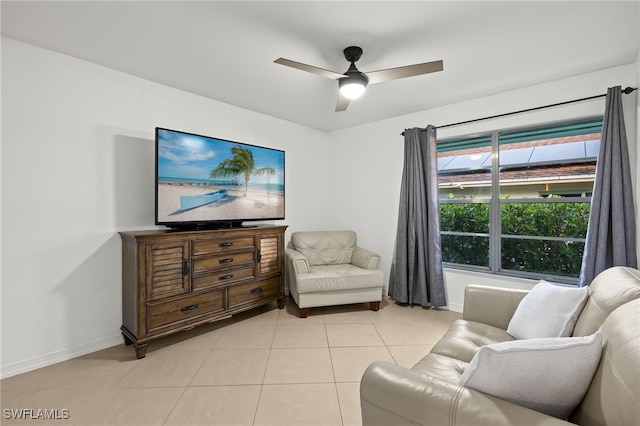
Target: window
{"x":517,"y":202}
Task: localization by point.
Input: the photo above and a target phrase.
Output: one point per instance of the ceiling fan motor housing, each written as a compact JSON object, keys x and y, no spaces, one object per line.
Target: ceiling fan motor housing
{"x":354,"y":75}
{"x":352,"y":53}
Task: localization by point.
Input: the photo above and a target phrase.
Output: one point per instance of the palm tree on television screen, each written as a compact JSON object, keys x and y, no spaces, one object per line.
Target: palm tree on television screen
{"x":242,"y":163}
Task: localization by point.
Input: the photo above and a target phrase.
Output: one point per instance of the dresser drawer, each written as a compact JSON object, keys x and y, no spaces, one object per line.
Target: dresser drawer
{"x":181,"y":310}
{"x":252,"y":292}
{"x":224,"y":277}
{"x":222,"y":261}
{"x":221,"y":245}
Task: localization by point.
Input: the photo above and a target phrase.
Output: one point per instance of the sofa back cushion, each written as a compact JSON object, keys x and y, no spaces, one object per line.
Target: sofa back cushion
{"x":325,"y":247}
{"x":614,"y":395}
{"x":610,"y":289}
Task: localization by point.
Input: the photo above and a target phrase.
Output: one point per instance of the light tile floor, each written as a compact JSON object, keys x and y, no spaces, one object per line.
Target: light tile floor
{"x":263,"y":367}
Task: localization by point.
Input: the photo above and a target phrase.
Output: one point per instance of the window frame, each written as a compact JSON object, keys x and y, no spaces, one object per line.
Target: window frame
{"x":495,"y":203}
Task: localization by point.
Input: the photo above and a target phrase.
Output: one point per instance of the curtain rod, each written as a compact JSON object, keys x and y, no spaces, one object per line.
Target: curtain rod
{"x":626,"y":91}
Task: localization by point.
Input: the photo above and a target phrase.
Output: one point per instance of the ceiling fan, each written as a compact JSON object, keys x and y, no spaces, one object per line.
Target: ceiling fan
{"x":352,"y":83}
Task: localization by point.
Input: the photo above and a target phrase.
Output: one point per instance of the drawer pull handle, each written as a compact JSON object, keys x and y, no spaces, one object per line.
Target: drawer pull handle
{"x":186,"y":267}
{"x":226,"y":244}
{"x":225,"y":277}
{"x":227,"y":260}
{"x":188,"y":308}
{"x":256,"y":290}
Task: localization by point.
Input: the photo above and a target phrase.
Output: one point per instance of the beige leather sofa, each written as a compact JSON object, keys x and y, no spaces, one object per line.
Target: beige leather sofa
{"x":326,"y":268}
{"x":428,"y":394}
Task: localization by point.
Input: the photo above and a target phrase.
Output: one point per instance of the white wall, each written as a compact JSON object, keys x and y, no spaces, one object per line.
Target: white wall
{"x":367,"y":160}
{"x":77,"y":167}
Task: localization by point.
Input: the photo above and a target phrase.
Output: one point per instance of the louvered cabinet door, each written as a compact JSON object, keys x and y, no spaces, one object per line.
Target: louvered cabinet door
{"x":270,"y":254}
{"x":168,"y":269}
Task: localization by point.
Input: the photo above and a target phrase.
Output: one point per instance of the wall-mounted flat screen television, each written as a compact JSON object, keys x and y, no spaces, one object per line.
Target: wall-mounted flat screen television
{"x":206,"y":182}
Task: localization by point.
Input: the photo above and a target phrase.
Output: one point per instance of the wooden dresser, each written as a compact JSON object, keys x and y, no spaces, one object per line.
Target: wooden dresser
{"x":175,"y":280}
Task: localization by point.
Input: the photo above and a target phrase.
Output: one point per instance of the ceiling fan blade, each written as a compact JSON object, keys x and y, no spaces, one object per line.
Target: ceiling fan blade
{"x":406,"y":71}
{"x":342,"y":104}
{"x":309,"y":68}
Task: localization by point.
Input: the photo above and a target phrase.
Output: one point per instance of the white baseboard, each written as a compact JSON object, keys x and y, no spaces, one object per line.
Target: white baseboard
{"x":34,"y":363}
{"x":455,"y":307}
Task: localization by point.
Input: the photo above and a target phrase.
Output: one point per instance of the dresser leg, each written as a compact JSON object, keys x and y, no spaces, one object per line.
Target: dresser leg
{"x":141,"y":350}
{"x":281,"y":303}
{"x":127,"y":341}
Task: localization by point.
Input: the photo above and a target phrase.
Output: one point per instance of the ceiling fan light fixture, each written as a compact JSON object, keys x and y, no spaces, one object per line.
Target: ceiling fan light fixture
{"x":352,"y":90}
{"x":352,"y":86}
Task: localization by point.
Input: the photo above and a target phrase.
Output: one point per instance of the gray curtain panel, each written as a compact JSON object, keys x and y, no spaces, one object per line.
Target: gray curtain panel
{"x":611,"y":234}
{"x":416,"y":271}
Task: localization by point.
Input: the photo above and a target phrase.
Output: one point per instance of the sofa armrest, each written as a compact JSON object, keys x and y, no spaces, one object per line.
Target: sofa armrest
{"x":491,"y":305}
{"x":365,"y":259}
{"x":298,"y":263}
{"x":394,"y":395}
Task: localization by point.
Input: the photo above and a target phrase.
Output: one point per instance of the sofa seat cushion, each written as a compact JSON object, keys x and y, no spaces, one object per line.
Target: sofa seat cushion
{"x":338,"y":277}
{"x":464,"y":338}
{"x":441,"y":367}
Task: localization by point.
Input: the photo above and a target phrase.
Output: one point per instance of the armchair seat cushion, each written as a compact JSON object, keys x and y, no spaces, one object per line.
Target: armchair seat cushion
{"x":338,"y":277}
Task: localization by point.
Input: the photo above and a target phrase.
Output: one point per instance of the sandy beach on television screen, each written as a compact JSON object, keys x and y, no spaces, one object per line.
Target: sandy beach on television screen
{"x":256,"y":204}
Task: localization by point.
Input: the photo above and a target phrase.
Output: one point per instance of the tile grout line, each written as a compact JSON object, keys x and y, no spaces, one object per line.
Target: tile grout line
{"x":164,"y":422}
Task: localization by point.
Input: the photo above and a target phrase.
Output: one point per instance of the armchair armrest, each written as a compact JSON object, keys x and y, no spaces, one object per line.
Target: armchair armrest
{"x":394,"y":395}
{"x":365,"y":259}
{"x":297,"y":262}
{"x":491,"y":305}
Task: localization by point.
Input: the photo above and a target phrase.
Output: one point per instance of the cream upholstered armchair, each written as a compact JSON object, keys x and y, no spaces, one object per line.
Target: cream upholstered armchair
{"x":327,"y":268}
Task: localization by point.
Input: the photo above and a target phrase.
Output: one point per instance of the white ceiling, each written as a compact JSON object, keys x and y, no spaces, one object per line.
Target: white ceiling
{"x":225,"y":50}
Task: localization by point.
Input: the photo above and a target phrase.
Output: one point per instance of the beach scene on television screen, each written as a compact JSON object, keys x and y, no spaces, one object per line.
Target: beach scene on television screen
{"x":203,"y":179}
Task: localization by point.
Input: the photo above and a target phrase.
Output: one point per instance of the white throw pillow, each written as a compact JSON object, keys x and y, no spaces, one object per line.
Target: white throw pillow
{"x":548,"y":310}
{"x":550,"y":375}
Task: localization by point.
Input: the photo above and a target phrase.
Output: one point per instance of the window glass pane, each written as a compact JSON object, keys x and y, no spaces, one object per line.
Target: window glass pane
{"x":465,"y":249}
{"x":552,"y":131}
{"x":561,"y":258}
{"x":558,"y":160}
{"x":568,"y":220}
{"x":464,"y":169}
{"x":464,"y":217}
{"x":465,"y":233}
